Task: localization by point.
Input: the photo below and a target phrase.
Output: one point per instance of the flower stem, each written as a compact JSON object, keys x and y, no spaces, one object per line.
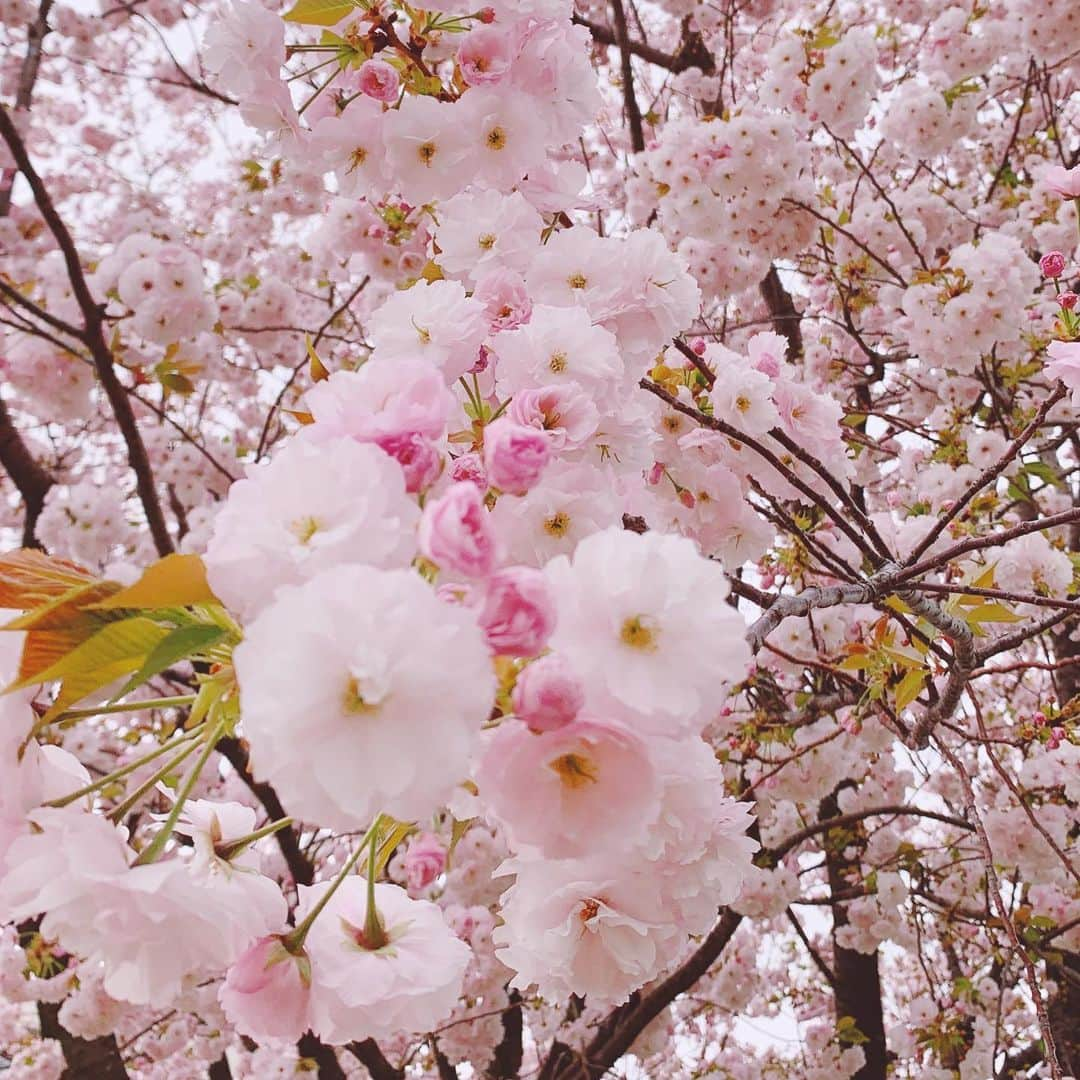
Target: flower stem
{"x":129,"y":706}
{"x":233,"y":848}
{"x":374,"y":933}
{"x":295,"y":940}
{"x":157,"y":845}
{"x":117,"y":812}
{"x":130,"y":767}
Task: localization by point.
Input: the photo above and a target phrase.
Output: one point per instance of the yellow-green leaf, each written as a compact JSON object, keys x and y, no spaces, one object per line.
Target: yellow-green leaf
{"x":175,"y":581}
{"x":319,"y":12}
{"x":114,"y":651}
{"x":907,"y":690}
{"x":992,"y":612}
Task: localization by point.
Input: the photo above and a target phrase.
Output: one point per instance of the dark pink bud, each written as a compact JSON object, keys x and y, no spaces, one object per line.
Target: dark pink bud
{"x":1052,"y":264}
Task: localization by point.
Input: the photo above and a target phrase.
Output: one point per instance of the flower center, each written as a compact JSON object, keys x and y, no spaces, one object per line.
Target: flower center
{"x":496,"y":138}
{"x":487,"y":241}
{"x":575,"y":770}
{"x":426,"y":151}
{"x":557,"y":363}
{"x":742,"y":403}
{"x":639,"y":632}
{"x":590,"y":908}
{"x":357,"y":158}
{"x":557,"y":524}
{"x":577,"y":280}
{"x":304,"y":528}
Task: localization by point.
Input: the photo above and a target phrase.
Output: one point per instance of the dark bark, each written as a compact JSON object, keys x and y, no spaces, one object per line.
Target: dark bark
{"x":93,"y":336}
{"x":373,"y":1059}
{"x":785,"y":316}
{"x":858,"y":981}
{"x":220,"y":1070}
{"x":506,"y":1062}
{"x":30,"y":479}
{"x":235,"y":751}
{"x":86,"y":1059}
{"x":326,"y":1062}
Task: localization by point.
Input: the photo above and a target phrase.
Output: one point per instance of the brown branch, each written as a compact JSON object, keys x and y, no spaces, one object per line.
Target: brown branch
{"x":31,"y":480}
{"x":691,"y":53}
{"x":93,"y":336}
{"x":506,"y":1062}
{"x":989,"y":474}
{"x":373,"y":1059}
{"x":609,"y":1046}
{"x":28,"y":75}
{"x":235,"y":752}
{"x":782,"y":311}
{"x":630,"y":103}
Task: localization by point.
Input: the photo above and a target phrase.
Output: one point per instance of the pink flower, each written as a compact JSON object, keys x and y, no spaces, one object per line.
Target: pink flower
{"x":485,"y":56}
{"x":469,"y":468}
{"x":515,"y":455}
{"x":588,"y":786}
{"x":418,"y":457}
{"x":456,"y":532}
{"x":1052,"y":264}
{"x":379,"y":80}
{"x":381,"y":399}
{"x":563,"y":410}
{"x":266,"y":991}
{"x":1062,"y":181}
{"x":1064,"y":364}
{"x":1067,"y":300}
{"x":505,"y":299}
{"x":548,"y":693}
{"x":518,"y":615}
{"x":425,"y":860}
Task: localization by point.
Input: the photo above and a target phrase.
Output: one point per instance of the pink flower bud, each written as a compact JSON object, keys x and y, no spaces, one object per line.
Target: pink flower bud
{"x":424,"y":861}
{"x":698,"y":347}
{"x":1067,"y":300}
{"x":1052,"y":264}
{"x":548,"y":694}
{"x":265,"y":993}
{"x":487,"y":15}
{"x":418,"y":457}
{"x":456,"y":533}
{"x":379,"y":80}
{"x":515,"y":455}
{"x":656,"y":473}
{"x":518,"y":615}
{"x":686,"y":497}
{"x":1039,"y":719}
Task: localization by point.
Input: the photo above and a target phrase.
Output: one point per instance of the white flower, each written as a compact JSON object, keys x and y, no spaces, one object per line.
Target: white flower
{"x":577,"y":927}
{"x":312,"y":507}
{"x":435,"y":321}
{"x":361,"y":691}
{"x":407,"y":985}
{"x":645,"y":620}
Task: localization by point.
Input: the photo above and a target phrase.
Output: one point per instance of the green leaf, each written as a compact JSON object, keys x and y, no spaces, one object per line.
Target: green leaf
{"x":907,"y":690}
{"x":319,"y":12}
{"x":179,"y":644}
